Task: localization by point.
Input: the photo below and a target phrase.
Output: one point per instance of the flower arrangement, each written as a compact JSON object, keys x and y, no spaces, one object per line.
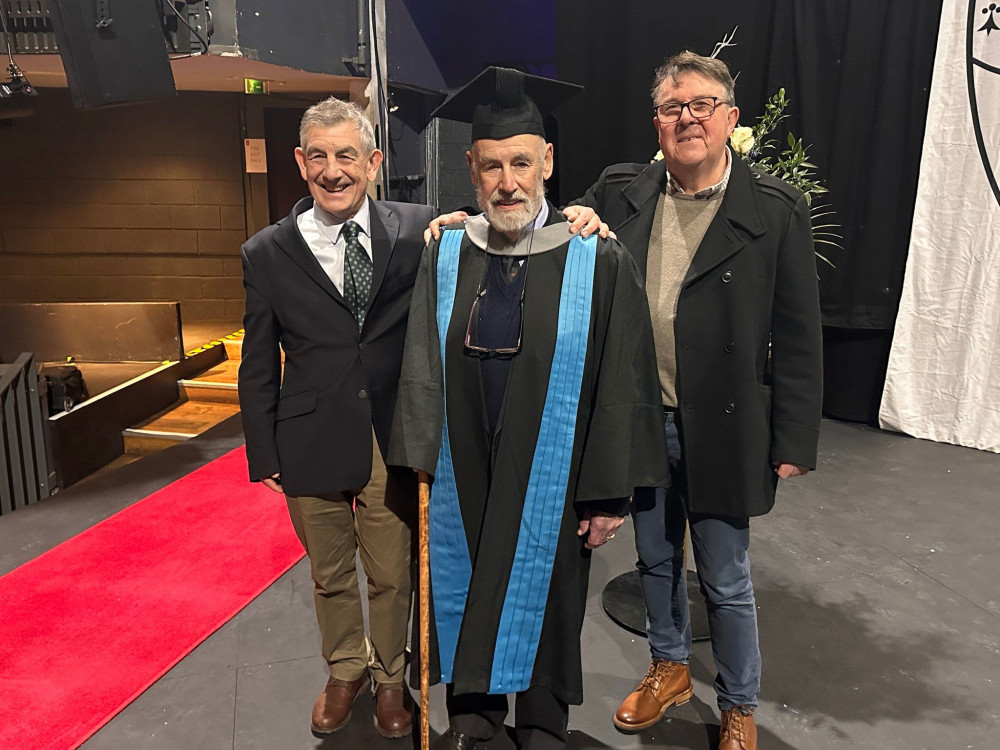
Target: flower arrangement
{"x":760,"y":152}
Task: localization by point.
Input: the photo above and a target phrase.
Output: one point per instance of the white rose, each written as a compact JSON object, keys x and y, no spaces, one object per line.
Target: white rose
{"x":742,"y":140}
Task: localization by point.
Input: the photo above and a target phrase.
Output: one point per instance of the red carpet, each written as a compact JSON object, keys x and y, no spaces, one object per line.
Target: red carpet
{"x":89,"y":625}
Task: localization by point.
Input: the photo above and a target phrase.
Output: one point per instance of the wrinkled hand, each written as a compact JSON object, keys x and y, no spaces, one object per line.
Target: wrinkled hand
{"x":585,"y":220}
{"x":784,"y":470}
{"x":434,"y":228}
{"x":598,"y":527}
{"x":273,"y":483}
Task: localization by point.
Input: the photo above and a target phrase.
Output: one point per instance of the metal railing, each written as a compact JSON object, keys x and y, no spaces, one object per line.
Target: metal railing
{"x":25,"y":457}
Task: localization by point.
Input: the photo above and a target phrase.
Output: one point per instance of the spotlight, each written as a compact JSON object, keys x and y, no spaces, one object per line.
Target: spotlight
{"x":16,"y":95}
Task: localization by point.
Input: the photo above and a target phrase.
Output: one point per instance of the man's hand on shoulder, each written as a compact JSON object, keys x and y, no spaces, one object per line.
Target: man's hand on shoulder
{"x":786,"y":470}
{"x":273,"y":483}
{"x":585,"y":220}
{"x":434,"y":229}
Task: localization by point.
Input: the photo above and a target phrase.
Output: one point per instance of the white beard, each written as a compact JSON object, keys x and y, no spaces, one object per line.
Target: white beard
{"x":512,"y":220}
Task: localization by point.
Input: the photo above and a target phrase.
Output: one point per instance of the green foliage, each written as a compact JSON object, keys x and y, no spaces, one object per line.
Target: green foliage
{"x":792,"y":165}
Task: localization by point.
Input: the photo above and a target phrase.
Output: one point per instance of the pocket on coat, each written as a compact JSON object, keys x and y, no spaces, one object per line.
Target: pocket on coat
{"x":295,"y":405}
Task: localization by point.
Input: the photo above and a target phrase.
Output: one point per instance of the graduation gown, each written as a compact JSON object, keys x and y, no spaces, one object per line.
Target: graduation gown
{"x":617,"y":444}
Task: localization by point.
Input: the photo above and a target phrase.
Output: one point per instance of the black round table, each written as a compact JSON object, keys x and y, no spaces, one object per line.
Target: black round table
{"x":622,"y":601}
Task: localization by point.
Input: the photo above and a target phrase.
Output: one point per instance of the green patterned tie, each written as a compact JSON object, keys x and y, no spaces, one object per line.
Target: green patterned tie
{"x":357,"y":273}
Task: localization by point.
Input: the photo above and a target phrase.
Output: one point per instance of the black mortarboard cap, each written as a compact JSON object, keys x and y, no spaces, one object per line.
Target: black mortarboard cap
{"x":502,"y":102}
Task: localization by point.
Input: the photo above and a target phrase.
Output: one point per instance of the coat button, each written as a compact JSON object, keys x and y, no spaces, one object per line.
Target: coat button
{"x":362,"y":345}
{"x":362,"y":393}
{"x":730,"y":347}
{"x":730,"y":408}
{"x":727,"y":277}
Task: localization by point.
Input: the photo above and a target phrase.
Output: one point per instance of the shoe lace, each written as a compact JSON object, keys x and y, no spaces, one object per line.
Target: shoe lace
{"x":733,"y":725}
{"x":657,"y":673}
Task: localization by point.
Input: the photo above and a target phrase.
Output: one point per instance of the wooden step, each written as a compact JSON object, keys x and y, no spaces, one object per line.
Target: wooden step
{"x":182,"y":421}
{"x":234,"y":345}
{"x":219,"y":384}
{"x":189,"y":417}
{"x":140,"y":442}
{"x":201,"y":390}
{"x":227,"y":371}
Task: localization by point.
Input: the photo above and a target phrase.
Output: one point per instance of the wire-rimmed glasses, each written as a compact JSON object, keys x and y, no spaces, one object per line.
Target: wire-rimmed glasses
{"x":502,"y":351}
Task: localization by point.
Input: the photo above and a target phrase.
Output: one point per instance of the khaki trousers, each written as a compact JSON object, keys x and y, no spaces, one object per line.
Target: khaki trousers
{"x":380,"y":526}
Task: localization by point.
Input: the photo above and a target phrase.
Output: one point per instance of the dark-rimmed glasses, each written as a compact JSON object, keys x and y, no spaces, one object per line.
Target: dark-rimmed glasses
{"x":701,"y":109}
{"x":503,"y":351}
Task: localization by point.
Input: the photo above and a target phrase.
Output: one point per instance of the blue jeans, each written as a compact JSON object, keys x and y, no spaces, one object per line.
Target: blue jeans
{"x":720,"y":545}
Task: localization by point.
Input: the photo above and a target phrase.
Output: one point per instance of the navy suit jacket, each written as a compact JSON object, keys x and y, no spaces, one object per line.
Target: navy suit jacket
{"x":314,"y":424}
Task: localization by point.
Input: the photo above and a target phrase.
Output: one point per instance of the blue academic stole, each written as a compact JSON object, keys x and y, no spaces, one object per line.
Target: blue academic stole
{"x":545,"y":497}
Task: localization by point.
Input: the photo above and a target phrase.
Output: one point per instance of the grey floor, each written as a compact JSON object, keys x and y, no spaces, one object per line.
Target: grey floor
{"x":879,"y":609}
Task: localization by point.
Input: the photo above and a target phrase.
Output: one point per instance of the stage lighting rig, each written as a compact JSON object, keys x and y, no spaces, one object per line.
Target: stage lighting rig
{"x":15,"y":94}
{"x":18,"y":87}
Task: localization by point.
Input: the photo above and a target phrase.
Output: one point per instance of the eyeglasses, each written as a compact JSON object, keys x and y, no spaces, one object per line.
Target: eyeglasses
{"x":485,"y":351}
{"x":701,"y":109}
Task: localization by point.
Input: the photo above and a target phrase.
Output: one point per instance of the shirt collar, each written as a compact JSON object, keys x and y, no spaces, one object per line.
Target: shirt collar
{"x":543,"y":216}
{"x":332,"y":227}
{"x":674,"y":189}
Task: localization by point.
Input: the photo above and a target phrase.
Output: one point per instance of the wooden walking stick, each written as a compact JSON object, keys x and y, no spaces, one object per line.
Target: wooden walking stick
{"x":424,"y":496}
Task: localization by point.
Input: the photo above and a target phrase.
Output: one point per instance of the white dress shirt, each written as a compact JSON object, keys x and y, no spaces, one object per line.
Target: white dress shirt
{"x":325,"y":237}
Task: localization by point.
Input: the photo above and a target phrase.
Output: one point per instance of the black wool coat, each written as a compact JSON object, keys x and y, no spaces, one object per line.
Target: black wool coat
{"x":314,"y":424}
{"x":751,"y":290}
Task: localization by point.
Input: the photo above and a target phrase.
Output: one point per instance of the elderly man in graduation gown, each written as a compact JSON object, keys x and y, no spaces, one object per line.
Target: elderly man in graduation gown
{"x":529,"y":393}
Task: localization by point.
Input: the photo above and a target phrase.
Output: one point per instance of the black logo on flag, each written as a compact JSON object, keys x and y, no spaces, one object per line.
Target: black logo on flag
{"x":982,"y":53}
{"x":991,"y":24}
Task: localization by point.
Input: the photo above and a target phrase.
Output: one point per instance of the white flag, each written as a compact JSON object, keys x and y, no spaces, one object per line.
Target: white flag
{"x":943,"y":379}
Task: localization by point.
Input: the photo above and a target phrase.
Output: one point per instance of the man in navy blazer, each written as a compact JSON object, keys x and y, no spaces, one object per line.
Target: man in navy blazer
{"x":329,"y":285}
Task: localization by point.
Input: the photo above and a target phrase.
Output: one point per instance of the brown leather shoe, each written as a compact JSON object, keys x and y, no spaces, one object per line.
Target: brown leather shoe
{"x":332,"y":709}
{"x":667,"y":683}
{"x":739,"y":732}
{"x":393,"y":709}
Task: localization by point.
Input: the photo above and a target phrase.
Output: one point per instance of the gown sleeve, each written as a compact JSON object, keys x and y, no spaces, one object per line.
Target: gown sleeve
{"x":416,"y":426}
{"x":625,"y":443}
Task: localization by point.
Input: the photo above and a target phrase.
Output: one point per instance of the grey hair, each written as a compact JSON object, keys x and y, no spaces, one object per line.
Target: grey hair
{"x":689,"y":62}
{"x":334,"y":111}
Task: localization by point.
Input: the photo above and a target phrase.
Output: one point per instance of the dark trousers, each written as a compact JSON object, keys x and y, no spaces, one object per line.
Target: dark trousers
{"x":540,"y":718}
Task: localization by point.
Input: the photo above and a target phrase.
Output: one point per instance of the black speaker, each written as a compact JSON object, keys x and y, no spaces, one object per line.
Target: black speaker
{"x":113,"y":50}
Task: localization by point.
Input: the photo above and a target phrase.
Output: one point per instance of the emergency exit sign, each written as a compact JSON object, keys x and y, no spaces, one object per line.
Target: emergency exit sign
{"x":254,"y":86}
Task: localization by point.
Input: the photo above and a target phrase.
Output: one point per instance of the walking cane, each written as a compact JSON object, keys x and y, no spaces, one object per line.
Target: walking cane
{"x":424,"y":496}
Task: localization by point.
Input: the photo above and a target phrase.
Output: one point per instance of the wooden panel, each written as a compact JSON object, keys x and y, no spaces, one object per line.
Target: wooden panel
{"x":92,"y":331}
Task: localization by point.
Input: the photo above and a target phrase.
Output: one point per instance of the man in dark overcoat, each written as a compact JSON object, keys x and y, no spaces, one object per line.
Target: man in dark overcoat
{"x":731,"y":279}
{"x":329,"y":286}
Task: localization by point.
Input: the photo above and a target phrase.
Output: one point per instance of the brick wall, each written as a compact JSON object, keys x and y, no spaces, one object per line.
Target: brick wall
{"x":133,"y":203}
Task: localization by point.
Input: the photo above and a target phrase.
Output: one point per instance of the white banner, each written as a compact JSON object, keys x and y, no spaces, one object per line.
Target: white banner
{"x":943,"y":380}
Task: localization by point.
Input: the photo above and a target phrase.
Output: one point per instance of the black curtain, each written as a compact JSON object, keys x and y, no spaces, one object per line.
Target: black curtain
{"x":858,"y":75}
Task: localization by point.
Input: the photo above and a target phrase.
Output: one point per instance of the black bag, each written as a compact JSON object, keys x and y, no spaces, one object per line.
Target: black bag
{"x":66,"y":387}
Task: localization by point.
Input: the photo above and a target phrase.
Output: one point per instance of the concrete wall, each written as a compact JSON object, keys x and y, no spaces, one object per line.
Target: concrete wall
{"x":141,"y":202}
